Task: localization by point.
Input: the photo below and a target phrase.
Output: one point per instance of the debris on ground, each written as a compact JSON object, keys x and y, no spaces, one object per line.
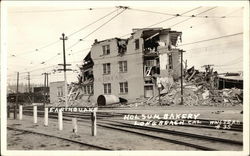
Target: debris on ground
{"x":199,"y":88}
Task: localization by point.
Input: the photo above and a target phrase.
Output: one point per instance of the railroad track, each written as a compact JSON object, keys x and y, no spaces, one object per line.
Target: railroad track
{"x":199,"y":142}
{"x":205,"y":123}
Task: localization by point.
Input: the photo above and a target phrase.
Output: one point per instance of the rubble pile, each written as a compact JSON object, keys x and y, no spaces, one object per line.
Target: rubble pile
{"x":199,"y":88}
{"x":76,"y":97}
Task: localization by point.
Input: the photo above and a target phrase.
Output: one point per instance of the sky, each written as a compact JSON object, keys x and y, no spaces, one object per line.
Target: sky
{"x":32,"y":28}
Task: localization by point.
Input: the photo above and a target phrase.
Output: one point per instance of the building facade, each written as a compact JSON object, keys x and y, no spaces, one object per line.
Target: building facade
{"x":57,"y":91}
{"x":128,"y":68}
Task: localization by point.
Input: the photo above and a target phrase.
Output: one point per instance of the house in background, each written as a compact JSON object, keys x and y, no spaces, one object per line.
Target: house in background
{"x":57,"y":91}
{"x":231,"y":80}
{"x":128,"y":68}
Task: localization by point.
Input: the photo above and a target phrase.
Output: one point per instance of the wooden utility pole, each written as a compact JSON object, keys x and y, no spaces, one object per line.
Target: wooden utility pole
{"x":45,"y":86}
{"x":16,"y":106}
{"x":63,"y":38}
{"x":47,"y":79}
{"x":30,"y":97}
{"x":44,"y":89}
{"x":181,"y":51}
{"x":29,"y":82}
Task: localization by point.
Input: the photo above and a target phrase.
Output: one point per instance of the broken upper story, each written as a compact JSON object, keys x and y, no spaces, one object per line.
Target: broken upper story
{"x":152,"y":43}
{"x":132,"y":62}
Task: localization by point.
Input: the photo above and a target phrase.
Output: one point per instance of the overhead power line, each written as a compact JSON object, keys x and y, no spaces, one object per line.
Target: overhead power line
{"x":43,"y":62}
{"x":232,"y":62}
{"x":103,"y":24}
{"x":177,"y":15}
{"x":165,"y":20}
{"x":38,"y":49}
{"x":169,"y":14}
{"x":79,"y":51}
{"x":214,"y":19}
{"x":96,"y":29}
{"x":181,"y":15}
{"x":92,"y":23}
{"x":192,"y":17}
{"x":59,"y":10}
{"x":73,"y":33}
{"x":240,"y":33}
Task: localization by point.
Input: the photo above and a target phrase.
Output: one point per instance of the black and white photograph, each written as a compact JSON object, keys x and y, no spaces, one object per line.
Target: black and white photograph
{"x":141,"y":78}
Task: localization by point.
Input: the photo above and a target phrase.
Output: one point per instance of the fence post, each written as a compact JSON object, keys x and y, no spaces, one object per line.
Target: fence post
{"x":20,"y":112}
{"x":93,"y":120}
{"x":8,"y":111}
{"x":74,"y":124}
{"x":60,"y":119}
{"x":35,"y":113}
{"x":15,"y":111}
{"x":46,"y":116}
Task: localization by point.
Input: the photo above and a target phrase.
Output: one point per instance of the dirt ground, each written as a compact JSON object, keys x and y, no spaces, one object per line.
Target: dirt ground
{"x":113,"y":139}
{"x":206,"y":112}
{"x":26,"y":141}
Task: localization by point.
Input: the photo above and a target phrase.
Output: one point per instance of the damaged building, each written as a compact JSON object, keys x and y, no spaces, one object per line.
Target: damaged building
{"x":132,"y":68}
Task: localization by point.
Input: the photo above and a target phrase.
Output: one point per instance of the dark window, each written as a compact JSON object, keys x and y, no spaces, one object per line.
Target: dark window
{"x":123,"y":66}
{"x":106,"y":68}
{"x":170,"y":61}
{"x":137,"y":46}
{"x":107,"y":88}
{"x":106,"y":49}
{"x":59,"y":91}
{"x":150,"y":63}
{"x":123,"y":87}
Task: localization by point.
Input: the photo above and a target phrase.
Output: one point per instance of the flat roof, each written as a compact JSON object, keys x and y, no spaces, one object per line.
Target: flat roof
{"x":58,"y":82}
{"x":231,"y":77}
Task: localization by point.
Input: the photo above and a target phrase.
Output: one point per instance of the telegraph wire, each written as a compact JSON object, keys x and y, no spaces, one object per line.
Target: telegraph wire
{"x":124,"y":10}
{"x":232,"y":62}
{"x":213,"y":19}
{"x":177,"y":15}
{"x":163,"y":13}
{"x":52,"y":43}
{"x":182,"y":15}
{"x":83,"y":50}
{"x":74,"y":33}
{"x":38,"y":49}
{"x":214,"y":46}
{"x":46,"y":61}
{"x":211,"y":39}
{"x":192,"y":17}
{"x":137,"y":53}
{"x":103,"y":24}
{"x":60,"y":10}
{"x":70,"y":35}
{"x":95,"y":29}
{"x":57,"y":41}
{"x":165,"y":20}
{"x":92,"y":23}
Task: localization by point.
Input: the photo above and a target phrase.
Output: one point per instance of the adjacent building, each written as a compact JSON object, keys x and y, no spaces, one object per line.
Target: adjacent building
{"x":129,"y":68}
{"x":57,"y":91}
